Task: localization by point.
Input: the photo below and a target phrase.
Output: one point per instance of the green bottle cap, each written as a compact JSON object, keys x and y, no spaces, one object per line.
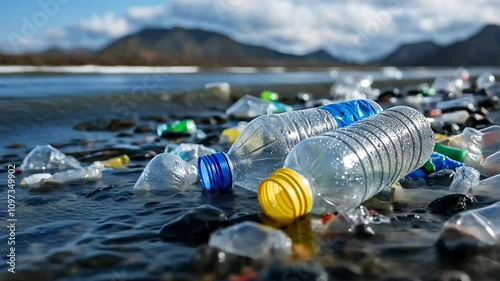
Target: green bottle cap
{"x":452,"y":152}
{"x":268,"y":95}
{"x":428,"y":92}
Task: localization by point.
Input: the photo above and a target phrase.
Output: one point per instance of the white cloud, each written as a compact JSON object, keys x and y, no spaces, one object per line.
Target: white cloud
{"x":350,"y":29}
{"x":144,"y":13}
{"x":108,"y":24}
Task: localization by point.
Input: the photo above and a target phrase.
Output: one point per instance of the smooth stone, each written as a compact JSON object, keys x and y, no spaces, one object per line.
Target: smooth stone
{"x":112,"y":125}
{"x":451,"y":204}
{"x":15,"y":145}
{"x":143,"y":129}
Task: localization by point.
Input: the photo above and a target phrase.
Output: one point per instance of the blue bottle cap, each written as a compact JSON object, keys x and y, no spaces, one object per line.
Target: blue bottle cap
{"x":348,"y":112}
{"x":417,"y":174}
{"x":215,"y":173}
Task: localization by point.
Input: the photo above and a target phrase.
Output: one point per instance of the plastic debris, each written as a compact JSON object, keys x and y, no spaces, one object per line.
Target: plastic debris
{"x":262,"y":147}
{"x":491,"y":165}
{"x":253,"y":240}
{"x":167,"y":171}
{"x":220,"y":90}
{"x":469,"y":140}
{"x":333,"y":170}
{"x":47,"y":158}
{"x":90,"y":173}
{"x":251,"y":107}
{"x":178,"y":127}
{"x":117,"y":162}
{"x":229,"y":135}
{"x":485,"y":80}
{"x":190,"y":152}
{"x":482,"y":224}
{"x":269,"y":95}
{"x":465,"y":179}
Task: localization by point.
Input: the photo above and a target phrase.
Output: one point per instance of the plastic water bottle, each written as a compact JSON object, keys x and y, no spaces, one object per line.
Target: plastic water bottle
{"x":483,"y":224}
{"x":262,"y":147}
{"x":339,"y":170}
{"x":490,"y":141}
{"x":470,"y":141}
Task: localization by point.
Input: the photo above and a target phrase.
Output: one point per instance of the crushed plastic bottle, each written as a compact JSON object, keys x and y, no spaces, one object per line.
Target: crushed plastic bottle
{"x":457,"y":117}
{"x":470,"y":141}
{"x":251,"y":107}
{"x":262,"y":147}
{"x":90,"y":173}
{"x":463,"y":103}
{"x":490,"y":140}
{"x":490,"y":165}
{"x":482,"y":224}
{"x":117,"y":162}
{"x":190,"y":152}
{"x":269,"y":95}
{"x":488,"y":187}
{"x":485,"y":80}
{"x":229,"y":135}
{"x":464,"y":180}
{"x":253,"y":240}
{"x":339,"y":170}
{"x":47,"y":158}
{"x":167,"y":171}
{"x":187,"y":126}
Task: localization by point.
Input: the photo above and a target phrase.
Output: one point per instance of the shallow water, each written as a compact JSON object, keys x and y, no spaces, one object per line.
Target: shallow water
{"x":105,"y":231}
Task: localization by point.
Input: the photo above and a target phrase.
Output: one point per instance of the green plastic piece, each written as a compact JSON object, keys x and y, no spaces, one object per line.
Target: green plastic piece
{"x":268,"y":95}
{"x":187,"y":126}
{"x":452,"y":152}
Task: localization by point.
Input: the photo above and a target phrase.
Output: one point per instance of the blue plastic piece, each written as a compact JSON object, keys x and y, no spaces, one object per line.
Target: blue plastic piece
{"x":215,"y":173}
{"x":440,"y":162}
{"x":346,"y":113}
{"x":417,"y":174}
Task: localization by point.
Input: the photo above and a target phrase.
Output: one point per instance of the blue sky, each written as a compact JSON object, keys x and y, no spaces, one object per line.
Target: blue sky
{"x":352,"y":29}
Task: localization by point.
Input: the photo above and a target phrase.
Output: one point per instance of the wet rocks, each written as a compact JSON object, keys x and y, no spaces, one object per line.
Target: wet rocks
{"x":143,"y":129}
{"x":112,"y":125}
{"x":195,"y":225}
{"x":451,"y":204}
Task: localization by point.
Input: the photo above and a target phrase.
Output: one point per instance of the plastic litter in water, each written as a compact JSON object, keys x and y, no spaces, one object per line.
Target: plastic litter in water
{"x":253,"y":240}
{"x":167,"y":171}
{"x":465,"y":179}
{"x":190,"y":152}
{"x":47,"y":158}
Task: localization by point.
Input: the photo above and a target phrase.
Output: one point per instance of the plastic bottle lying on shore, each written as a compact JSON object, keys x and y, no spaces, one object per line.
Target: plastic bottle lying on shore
{"x":491,"y":165}
{"x":167,"y":171}
{"x":262,"y":147}
{"x":90,"y":173}
{"x":229,"y":135}
{"x":470,"y":141}
{"x":482,"y":224}
{"x":341,"y":169}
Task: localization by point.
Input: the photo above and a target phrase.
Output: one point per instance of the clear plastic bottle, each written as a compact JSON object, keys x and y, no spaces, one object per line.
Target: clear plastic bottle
{"x":251,"y":107}
{"x":167,"y":171}
{"x":47,"y":158}
{"x":490,"y":141}
{"x":490,"y":165}
{"x":262,"y":147}
{"x":339,"y":170}
{"x":485,"y":80}
{"x":483,"y":224}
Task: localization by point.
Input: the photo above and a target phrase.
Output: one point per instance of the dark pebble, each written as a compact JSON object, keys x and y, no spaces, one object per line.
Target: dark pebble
{"x":301,"y":272}
{"x":142,"y":155}
{"x":112,"y":125}
{"x":451,"y":204}
{"x":143,"y":129}
{"x":195,"y":225}
{"x":15,"y":145}
{"x":440,"y":178}
{"x":363,"y":231}
{"x":12,"y":155}
{"x":419,"y":211}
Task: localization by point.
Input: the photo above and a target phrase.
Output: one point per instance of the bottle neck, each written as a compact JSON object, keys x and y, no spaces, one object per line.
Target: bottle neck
{"x":215,"y":172}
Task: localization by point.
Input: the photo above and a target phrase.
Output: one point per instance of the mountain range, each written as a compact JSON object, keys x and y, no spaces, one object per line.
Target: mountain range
{"x":181,"y":46}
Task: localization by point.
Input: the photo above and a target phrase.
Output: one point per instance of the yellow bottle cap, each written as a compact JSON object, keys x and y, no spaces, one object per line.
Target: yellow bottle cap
{"x":285,"y":195}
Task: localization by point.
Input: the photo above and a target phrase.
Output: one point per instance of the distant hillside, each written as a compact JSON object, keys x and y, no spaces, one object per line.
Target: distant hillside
{"x":483,"y":48}
{"x":192,"y":46}
{"x":408,"y":54}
